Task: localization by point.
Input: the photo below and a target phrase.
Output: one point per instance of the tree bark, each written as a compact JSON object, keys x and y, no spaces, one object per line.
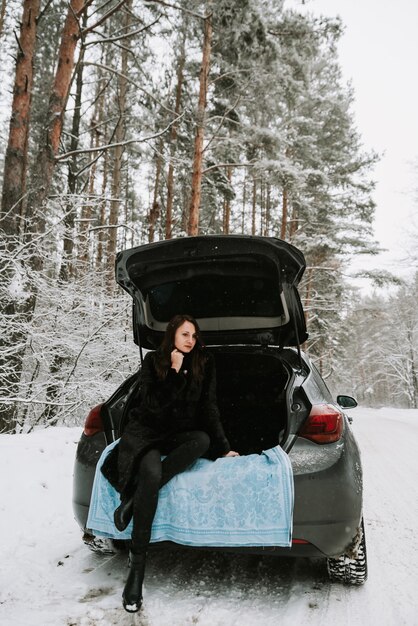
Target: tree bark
{"x":15,"y":166}
{"x":227,"y":206}
{"x":244,"y":204}
{"x":98,"y":132}
{"x":193,"y":221}
{"x":254,"y":207}
{"x":115,"y":202}
{"x":13,"y":343}
{"x":45,"y":163}
{"x":102,"y":213}
{"x":268,"y":210}
{"x":2,"y":14}
{"x":284,"y":213}
{"x":307,"y":302}
{"x":66,"y":269}
{"x":414,"y":375}
{"x":155,"y":208}
{"x":173,"y":137}
{"x":262,"y":205}
{"x":294,"y":222}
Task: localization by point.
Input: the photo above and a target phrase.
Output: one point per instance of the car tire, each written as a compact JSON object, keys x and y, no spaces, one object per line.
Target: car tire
{"x":350,"y":568}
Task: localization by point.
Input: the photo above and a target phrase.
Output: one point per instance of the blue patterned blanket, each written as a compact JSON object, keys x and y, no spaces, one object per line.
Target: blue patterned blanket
{"x":241,"y":501}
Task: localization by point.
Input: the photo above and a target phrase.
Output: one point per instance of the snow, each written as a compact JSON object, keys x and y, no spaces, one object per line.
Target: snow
{"x":49,"y":578}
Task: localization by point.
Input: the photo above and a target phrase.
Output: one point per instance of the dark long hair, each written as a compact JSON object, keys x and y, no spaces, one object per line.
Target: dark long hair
{"x":163,"y":354}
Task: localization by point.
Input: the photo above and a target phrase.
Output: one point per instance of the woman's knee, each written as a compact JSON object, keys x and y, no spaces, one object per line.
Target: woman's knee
{"x":150,"y":468}
{"x":202,"y":441}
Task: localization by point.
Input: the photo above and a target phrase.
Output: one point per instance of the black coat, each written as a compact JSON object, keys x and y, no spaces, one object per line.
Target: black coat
{"x":166,"y":407}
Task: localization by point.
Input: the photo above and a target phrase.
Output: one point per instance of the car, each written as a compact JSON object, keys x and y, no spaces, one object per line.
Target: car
{"x":243,"y":291}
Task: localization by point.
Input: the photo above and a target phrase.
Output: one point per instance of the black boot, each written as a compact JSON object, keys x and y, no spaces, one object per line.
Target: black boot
{"x":123,"y":514}
{"x":132,"y":593}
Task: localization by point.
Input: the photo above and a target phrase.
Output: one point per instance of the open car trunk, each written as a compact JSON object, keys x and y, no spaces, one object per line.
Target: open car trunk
{"x":251,"y":388}
{"x":240,"y":289}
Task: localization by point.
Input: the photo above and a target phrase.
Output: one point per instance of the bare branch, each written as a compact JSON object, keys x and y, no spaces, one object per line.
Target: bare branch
{"x":147,"y":93}
{"x":99,"y":8}
{"x":11,"y":400}
{"x":176,"y":6}
{"x":40,"y":237}
{"x":103,"y":18}
{"x":231,"y":108}
{"x":219,"y":165}
{"x":106,"y":227}
{"x":229,"y":73}
{"x":121,"y":37}
{"x":44,"y":10}
{"x":85,"y":7}
{"x":88,"y":340}
{"x":92,"y":161}
{"x":127,"y":142}
{"x":18,"y":43}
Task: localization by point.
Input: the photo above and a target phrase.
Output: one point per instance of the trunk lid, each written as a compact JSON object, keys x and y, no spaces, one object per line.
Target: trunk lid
{"x":241,"y":289}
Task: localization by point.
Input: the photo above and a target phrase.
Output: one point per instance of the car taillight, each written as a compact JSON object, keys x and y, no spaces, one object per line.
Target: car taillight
{"x":324,"y":424}
{"x":93,"y":423}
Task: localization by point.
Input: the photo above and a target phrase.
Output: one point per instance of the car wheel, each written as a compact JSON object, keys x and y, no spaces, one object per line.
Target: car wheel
{"x":350,"y":568}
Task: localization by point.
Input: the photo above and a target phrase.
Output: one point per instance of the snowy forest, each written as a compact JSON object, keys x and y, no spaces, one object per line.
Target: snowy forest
{"x":124,"y":122}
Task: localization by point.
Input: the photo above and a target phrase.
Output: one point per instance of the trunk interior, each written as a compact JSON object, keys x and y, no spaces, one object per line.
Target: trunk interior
{"x":251,"y":389}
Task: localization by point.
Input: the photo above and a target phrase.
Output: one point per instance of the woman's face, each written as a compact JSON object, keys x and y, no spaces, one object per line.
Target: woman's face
{"x":185,"y":337}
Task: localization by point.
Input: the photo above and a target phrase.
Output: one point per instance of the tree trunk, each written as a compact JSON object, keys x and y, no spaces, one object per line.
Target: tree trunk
{"x":98,"y":132}
{"x":254,"y":207}
{"x":308,"y":294}
{"x":262,"y":205}
{"x":67,"y":269}
{"x":102,"y":213}
{"x":45,"y":163}
{"x":155,"y":208}
{"x":2,"y":14}
{"x":193,"y":221}
{"x":227,"y":206}
{"x":115,"y":202}
{"x":294,"y":222}
{"x":126,"y":215}
{"x":13,"y":343}
{"x":87,"y":208}
{"x":173,"y":137}
{"x":244,"y":203}
{"x":284,"y":214}
{"x":15,"y":166}
{"x":414,"y":375}
{"x":268,"y":210}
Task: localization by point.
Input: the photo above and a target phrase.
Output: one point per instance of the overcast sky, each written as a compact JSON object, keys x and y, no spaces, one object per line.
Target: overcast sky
{"x":379,"y":54}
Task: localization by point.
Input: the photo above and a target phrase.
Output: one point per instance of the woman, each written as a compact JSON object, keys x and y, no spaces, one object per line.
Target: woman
{"x":178,"y":417}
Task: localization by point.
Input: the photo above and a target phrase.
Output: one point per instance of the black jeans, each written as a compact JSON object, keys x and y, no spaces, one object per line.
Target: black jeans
{"x":181,"y":450}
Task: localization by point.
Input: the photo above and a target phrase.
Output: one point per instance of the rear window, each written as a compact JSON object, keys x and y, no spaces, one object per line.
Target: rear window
{"x":216,"y":296}
{"x":228,"y":287}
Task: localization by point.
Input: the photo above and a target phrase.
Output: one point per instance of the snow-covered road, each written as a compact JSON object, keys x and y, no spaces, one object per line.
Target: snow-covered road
{"x":49,"y":578}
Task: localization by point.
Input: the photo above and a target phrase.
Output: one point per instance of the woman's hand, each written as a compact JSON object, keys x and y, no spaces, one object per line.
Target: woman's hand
{"x":176,"y":360}
{"x":231,"y":453}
